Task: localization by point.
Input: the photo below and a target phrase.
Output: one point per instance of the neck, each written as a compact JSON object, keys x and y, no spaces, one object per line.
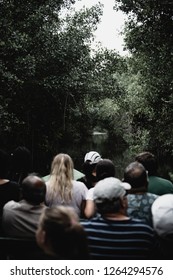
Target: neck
{"x":140,"y":190}
{"x":116,"y":216}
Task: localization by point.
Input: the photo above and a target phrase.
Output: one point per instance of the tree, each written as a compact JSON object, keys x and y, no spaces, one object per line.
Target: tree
{"x":44,"y":61}
{"x":148,"y":36}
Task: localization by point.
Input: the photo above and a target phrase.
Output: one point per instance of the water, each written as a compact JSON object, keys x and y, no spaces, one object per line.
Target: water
{"x":113,"y":148}
{"x":110,"y":147}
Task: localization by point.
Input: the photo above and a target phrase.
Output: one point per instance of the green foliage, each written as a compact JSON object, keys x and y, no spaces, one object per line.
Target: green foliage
{"x":54,"y":88}
{"x":148,"y":36}
{"x":44,"y":65}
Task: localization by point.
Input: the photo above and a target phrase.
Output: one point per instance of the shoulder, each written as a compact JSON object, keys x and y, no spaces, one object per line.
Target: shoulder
{"x":160,"y":180}
{"x":141,"y":225}
{"x":79,"y":185}
{"x":11,"y":205}
{"x":90,"y":194}
{"x":151,"y":195}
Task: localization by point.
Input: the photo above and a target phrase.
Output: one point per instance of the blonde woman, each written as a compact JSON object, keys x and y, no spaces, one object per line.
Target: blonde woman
{"x":62,"y":189}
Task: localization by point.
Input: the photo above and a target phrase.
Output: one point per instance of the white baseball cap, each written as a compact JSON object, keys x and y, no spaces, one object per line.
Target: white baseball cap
{"x":92,"y":157}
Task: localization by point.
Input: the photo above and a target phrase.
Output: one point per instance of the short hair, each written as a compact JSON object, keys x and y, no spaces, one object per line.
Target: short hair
{"x":64,"y":233}
{"x":104,"y":169}
{"x":4,"y":164}
{"x":33,"y":189}
{"x":135,"y":174}
{"x":149,"y":161}
{"x":106,"y":206}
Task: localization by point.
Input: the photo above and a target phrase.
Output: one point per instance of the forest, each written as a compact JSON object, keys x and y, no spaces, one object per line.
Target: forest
{"x":54,"y":87}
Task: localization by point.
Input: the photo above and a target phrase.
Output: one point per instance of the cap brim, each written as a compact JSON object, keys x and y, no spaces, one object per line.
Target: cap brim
{"x":126,"y":186}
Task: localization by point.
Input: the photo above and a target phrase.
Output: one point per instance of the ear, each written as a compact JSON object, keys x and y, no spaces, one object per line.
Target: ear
{"x":123,"y":202}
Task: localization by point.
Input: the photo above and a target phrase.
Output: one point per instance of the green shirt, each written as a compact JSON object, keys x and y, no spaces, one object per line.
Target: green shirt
{"x":159,"y":185}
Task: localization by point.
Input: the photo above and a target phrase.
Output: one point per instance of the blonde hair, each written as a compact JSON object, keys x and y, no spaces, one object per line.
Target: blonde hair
{"x":60,"y":181}
{"x":65,"y":236}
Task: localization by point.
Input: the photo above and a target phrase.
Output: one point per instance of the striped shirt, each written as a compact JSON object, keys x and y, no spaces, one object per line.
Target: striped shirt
{"x":125,"y":239}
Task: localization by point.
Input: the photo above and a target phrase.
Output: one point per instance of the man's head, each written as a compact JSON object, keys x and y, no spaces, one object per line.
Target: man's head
{"x":91,"y":160}
{"x":105,"y":168}
{"x":136,"y":175}
{"x":92,"y":157}
{"x":33,"y":189}
{"x":109,"y":195}
{"x":148,"y":160}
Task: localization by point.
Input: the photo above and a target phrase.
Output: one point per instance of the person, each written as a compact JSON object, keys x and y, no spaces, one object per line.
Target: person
{"x":60,"y":235}
{"x":112,"y":234}
{"x":157,"y":185}
{"x":162,"y":214}
{"x":8,"y":189}
{"x":21,"y":161}
{"x":91,"y":160}
{"x":62,"y":189}
{"x":20,"y":219}
{"x":105,"y":168}
{"x":139,"y":199}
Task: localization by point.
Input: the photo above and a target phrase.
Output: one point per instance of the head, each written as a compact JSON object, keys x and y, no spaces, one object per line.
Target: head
{"x":61,"y":235}
{"x":4,"y":164}
{"x":92,"y":157}
{"x":91,"y":160}
{"x":33,"y":189}
{"x":110,"y":196}
{"x":162,"y":214}
{"x":148,"y":160}
{"x":60,"y":181}
{"x":104,"y":169}
{"x":136,"y":175}
{"x":62,"y":164}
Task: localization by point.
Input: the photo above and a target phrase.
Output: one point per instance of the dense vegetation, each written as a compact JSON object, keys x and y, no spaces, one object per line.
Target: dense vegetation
{"x":55,"y":88}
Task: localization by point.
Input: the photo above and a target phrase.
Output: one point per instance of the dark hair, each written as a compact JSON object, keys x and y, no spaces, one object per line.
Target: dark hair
{"x":33,"y":189}
{"x":4,"y":164}
{"x":105,"y":168}
{"x":149,"y":162}
{"x":21,"y":159}
{"x":65,"y":234}
{"x":108,"y":206}
{"x":88,"y":169}
{"x":135,"y":174}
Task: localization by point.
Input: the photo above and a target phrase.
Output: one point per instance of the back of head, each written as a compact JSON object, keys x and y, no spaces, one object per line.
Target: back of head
{"x":61,"y":177}
{"x":104,"y":169}
{"x":33,"y":189}
{"x":135,"y":174}
{"x":65,"y":236}
{"x":107,"y":194}
{"x":91,"y":160}
{"x":92,"y":157}
{"x":62,"y":164}
{"x":148,"y":160}
{"x":4,"y":164}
